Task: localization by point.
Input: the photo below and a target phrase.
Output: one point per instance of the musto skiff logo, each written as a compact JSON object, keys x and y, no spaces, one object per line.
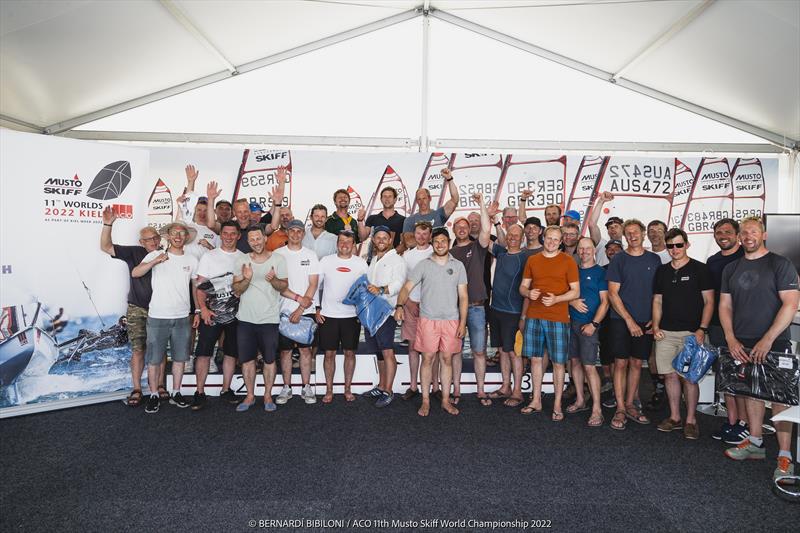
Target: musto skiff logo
{"x":65,"y":201}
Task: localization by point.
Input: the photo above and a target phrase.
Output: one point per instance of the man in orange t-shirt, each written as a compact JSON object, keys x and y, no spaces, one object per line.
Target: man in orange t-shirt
{"x":550,"y":281}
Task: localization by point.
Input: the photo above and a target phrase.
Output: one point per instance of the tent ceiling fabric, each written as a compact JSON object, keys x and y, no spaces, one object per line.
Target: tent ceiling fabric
{"x":62,"y":59}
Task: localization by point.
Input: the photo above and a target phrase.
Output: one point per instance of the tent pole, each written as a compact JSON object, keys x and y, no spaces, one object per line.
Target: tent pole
{"x":426,"y":28}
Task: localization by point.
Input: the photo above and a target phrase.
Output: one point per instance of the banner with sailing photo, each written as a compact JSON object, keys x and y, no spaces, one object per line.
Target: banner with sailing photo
{"x":62,"y":304}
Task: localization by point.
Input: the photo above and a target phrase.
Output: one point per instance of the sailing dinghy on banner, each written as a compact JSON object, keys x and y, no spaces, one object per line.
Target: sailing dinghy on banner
{"x":710,"y":199}
{"x":584,"y":187}
{"x":432,"y":179}
{"x":749,"y":192}
{"x":159,"y":206}
{"x":25,"y":348}
{"x":474,"y":173}
{"x":258,"y":176}
{"x":546,"y":178}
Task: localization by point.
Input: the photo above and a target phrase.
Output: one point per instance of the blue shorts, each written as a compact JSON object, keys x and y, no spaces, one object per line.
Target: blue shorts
{"x":541,"y":335}
{"x":383,"y":339}
{"x":476,"y":327}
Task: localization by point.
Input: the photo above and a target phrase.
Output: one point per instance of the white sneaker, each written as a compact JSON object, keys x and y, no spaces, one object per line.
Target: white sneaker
{"x":189,"y":368}
{"x":308,"y":395}
{"x":284,"y":396}
{"x":212,"y":367}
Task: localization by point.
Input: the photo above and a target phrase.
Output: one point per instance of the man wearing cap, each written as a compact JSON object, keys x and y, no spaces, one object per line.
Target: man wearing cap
{"x":223,"y":211}
{"x":388,"y":217}
{"x":386,"y":275}
{"x":316,"y":238}
{"x":257,"y":213}
{"x":443,"y":315}
{"x":533,"y":233}
{"x":339,"y":325}
{"x":340,"y":219}
{"x":571,"y":216}
{"x":436,"y":217}
{"x":472,"y":253}
{"x":299,"y":300}
{"x":168,"y":315}
{"x":613,"y":227}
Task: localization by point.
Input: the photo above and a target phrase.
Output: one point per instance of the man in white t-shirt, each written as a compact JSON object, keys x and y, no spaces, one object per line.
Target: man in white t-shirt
{"x":422,"y":249}
{"x":339,"y":325}
{"x":217,"y":306}
{"x":168,"y":315}
{"x":299,"y":300}
{"x":386,"y":275}
{"x":259,"y":278}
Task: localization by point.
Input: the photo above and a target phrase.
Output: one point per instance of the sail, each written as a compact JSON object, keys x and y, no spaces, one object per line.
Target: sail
{"x":684,"y":178}
{"x":8,"y":321}
{"x":584,"y":186}
{"x":710,"y":199}
{"x":748,"y":188}
{"x":546,"y":178}
{"x":355,"y":202}
{"x":432,"y":179}
{"x":159,"y":206}
{"x":258,"y":176}
{"x":389,"y":179}
{"x":472,"y":173}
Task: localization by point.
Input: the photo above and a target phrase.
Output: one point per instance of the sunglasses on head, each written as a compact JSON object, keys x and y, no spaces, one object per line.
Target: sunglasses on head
{"x":676,"y":245}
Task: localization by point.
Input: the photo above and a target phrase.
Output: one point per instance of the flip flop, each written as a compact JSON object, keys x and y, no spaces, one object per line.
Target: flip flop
{"x":512,"y":402}
{"x":243,"y":406}
{"x":619,"y":421}
{"x":270,"y":407}
{"x":572,"y":409}
{"x":632,"y":413}
{"x":530,"y":410}
{"x":595,"y":421}
{"x":557,"y":417}
{"x":485,"y":401}
{"x":497,"y":395}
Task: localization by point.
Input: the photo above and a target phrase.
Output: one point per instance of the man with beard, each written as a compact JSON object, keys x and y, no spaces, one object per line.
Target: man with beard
{"x":316,"y":238}
{"x":552,"y":215}
{"x":259,"y":278}
{"x":766,"y":283}
{"x":443,"y":315}
{"x":656,"y":230}
{"x":168,"y":315}
{"x":388,"y":217}
{"x":340,"y":219}
{"x":436,"y":217}
{"x":217,"y":305}
{"x":138,"y":298}
{"x":279,"y":224}
{"x":533,"y":234}
{"x":726,"y":235}
{"x":386,"y":275}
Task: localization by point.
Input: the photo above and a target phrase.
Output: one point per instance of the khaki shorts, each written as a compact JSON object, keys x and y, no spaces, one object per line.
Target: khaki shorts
{"x":667,"y":348}
{"x":137,"y":327}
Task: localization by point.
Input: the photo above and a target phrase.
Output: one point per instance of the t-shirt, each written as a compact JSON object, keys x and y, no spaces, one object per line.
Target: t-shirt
{"x":716,"y":264}
{"x":754,"y":285}
{"x":412,"y":258}
{"x":394,"y":223}
{"x":242,"y":245}
{"x":141,"y":289}
{"x":635,"y":275}
{"x":473,"y":255}
{"x":593,"y":282}
{"x":338,"y":275}
{"x":276,"y":239}
{"x":436,"y":217}
{"x":171,"y":290}
{"x":216,"y":267}
{"x":334,"y":224}
{"x":507,"y":278}
{"x":681,"y":294}
{"x":197,"y":249}
{"x":439,"y":291}
{"x":550,"y":275}
{"x":323,"y":245}
{"x":261,"y":303}
{"x":300,"y":264}
{"x":663,"y":255}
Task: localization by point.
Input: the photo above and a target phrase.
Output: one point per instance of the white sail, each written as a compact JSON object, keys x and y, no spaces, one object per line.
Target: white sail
{"x":258,"y":176}
{"x":390,"y":179}
{"x":584,"y":187}
{"x":472,"y":173}
{"x":710,"y":199}
{"x":545,"y":177}
{"x":159,"y":206}
{"x":684,"y":178}
{"x":432,"y":179}
{"x":749,"y":192}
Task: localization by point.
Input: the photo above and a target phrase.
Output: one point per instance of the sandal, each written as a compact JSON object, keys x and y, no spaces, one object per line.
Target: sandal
{"x":134,"y":398}
{"x":575,"y":408}
{"x":163,"y":395}
{"x":512,"y":402}
{"x":619,"y":421}
{"x":557,"y":417}
{"x":634,"y":414}
{"x":530,"y":410}
{"x":595,"y":421}
{"x":497,"y":395}
{"x":485,"y":401}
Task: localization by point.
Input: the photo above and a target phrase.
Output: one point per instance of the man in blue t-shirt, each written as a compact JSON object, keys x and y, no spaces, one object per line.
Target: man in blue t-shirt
{"x":585,"y":314}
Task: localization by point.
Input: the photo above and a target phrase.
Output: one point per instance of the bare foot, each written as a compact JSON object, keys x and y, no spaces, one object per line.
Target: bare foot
{"x":450,"y":408}
{"x":328,"y":398}
{"x":424,"y":409}
{"x":348,"y":396}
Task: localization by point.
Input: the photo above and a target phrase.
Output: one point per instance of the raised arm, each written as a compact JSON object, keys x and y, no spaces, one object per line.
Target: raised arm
{"x":522,"y":208}
{"x":363,"y":229}
{"x":484,"y":237}
{"x":144,"y":267}
{"x":212,"y":192}
{"x":106,"y":245}
{"x":452,"y":203}
{"x":594,"y":216}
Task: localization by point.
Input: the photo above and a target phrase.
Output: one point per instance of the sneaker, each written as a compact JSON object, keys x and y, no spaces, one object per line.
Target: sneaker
{"x":284,"y":396}
{"x":308,"y":395}
{"x":199,"y":401}
{"x":374,"y":392}
{"x":746,"y":450}
{"x":384,"y":399}
{"x":153,"y":403}
{"x":410,"y":394}
{"x":189,"y":368}
{"x":212,"y":366}
{"x":785,"y":468}
{"x":691,"y":431}
{"x":229,"y":396}
{"x":738,"y":434}
{"x":610,"y":403}
{"x":668,"y":425}
{"x":723,"y":429}
{"x":178,"y":400}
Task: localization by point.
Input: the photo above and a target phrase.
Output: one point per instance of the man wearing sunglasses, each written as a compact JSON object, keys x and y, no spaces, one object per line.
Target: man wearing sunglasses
{"x":683,"y":302}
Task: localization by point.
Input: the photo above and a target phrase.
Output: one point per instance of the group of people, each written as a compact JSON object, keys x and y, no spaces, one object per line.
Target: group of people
{"x":596,"y":307}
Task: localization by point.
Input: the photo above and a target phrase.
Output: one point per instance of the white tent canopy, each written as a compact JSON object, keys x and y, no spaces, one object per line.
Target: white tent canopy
{"x":406,"y":73}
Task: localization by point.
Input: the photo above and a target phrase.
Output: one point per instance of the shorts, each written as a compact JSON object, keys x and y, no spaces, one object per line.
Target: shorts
{"x":541,"y":335}
{"x":667,"y":348}
{"x":207,"y":337}
{"x":623,"y":345}
{"x":285,"y":343}
{"x":437,"y":336}
{"x":408,"y":330}
{"x":583,"y":346}
{"x":383,"y":339}
{"x":476,"y":327}
{"x":606,"y":355}
{"x":505,"y":327}
{"x":339,"y":331}
{"x":137,"y":327}
{"x":255,"y":338}
{"x":176,"y":331}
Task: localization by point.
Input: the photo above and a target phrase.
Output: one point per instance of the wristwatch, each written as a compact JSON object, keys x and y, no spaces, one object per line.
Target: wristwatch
{"x":705,"y":330}
{"x":383,"y":291}
{"x":595,"y":324}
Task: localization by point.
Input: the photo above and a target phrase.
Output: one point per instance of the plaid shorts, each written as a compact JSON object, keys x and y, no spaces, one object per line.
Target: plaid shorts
{"x":541,"y":335}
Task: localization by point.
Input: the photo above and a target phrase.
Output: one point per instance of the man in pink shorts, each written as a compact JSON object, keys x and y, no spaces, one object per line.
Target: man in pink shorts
{"x":442,"y":315}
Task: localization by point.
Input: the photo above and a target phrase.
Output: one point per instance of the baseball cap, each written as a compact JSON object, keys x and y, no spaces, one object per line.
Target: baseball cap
{"x":573,"y":214}
{"x":378,"y":229}
{"x":613,"y":220}
{"x":614,"y":241}
{"x":459,"y":219}
{"x":533,"y":220}
{"x":296,"y":224}
{"x":255,"y":206}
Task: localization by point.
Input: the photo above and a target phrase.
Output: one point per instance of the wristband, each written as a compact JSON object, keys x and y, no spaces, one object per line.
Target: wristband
{"x":448,"y":179}
{"x":109,"y":225}
{"x":398,"y":306}
{"x":595,"y":324}
{"x":497,"y":224}
{"x":705,"y":330}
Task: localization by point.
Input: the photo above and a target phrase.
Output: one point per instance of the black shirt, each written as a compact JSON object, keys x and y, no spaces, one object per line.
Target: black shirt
{"x":141,"y":289}
{"x":394,"y":223}
{"x":716,"y":264}
{"x":681,"y":294}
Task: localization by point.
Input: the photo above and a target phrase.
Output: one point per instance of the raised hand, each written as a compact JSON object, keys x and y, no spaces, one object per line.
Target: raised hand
{"x":361,"y":214}
{"x":493,"y":209}
{"x":270,"y":275}
{"x":212,"y":191}
{"x":191,"y":175}
{"x":606,"y":196}
{"x":109,"y":216}
{"x":447,"y":173}
{"x":281,"y":175}
{"x":477,"y":198}
{"x":526,"y":195}
{"x":276,"y":195}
